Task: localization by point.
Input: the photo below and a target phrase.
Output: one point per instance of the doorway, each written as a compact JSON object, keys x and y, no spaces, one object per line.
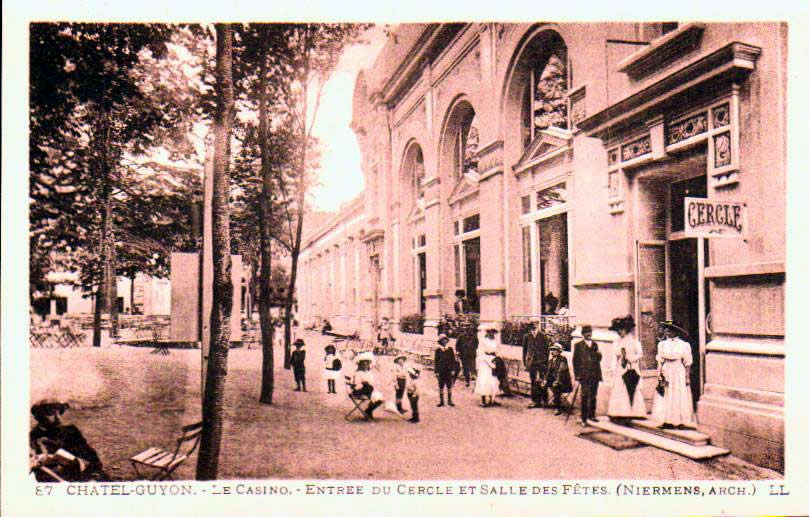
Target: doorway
{"x":684,"y":272}
{"x":553,"y":263}
{"x":669,"y":266}
{"x":471,"y":250}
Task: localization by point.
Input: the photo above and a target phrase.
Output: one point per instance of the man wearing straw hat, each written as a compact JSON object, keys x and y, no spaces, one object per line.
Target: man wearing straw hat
{"x":557,"y":377}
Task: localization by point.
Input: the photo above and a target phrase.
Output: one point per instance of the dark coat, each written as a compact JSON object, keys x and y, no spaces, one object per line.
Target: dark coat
{"x":444,"y":361}
{"x":558,"y":374}
{"x":467,"y":346}
{"x":586,"y":362}
{"x":69,"y":438}
{"x":297,"y":360}
{"x":535,"y":351}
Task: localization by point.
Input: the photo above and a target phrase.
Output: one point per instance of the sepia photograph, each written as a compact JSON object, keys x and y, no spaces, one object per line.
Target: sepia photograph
{"x":392,"y":259}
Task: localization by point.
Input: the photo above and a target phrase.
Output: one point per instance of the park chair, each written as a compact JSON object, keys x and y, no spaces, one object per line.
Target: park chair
{"x":360,"y":402}
{"x":162,"y":462}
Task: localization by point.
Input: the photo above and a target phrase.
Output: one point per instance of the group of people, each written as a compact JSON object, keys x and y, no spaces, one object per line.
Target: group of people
{"x":672,"y":403}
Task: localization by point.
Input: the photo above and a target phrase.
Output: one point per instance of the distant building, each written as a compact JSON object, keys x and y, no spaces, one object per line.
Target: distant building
{"x":152,"y":296}
{"x":585,"y":166}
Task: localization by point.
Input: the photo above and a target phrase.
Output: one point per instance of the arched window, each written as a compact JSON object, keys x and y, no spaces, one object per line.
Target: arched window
{"x":545,"y":93}
{"x":418,"y":174}
{"x":466,"y":145}
{"x":460,"y":141}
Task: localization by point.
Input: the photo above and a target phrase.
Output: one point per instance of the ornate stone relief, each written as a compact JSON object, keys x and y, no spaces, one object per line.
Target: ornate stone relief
{"x":722,"y":149}
{"x":636,"y":148}
{"x":685,"y":129}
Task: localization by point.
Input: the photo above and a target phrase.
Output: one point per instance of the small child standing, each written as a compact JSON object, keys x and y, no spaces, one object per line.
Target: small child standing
{"x":297,"y":361}
{"x":332,"y":367}
{"x":413,"y":393}
{"x":400,"y":380}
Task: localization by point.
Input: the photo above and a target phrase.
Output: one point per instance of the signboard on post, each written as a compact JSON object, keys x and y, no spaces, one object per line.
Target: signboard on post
{"x":713,"y":218}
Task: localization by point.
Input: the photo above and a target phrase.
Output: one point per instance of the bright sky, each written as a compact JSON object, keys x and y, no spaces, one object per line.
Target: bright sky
{"x":340,"y":176}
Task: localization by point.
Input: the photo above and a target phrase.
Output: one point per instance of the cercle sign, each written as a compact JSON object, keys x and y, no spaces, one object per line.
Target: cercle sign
{"x":712,"y":218}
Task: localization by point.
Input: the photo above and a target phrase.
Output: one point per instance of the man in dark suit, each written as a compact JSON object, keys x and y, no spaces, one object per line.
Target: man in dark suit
{"x":445,"y":369}
{"x":587,"y":369}
{"x":535,"y":359}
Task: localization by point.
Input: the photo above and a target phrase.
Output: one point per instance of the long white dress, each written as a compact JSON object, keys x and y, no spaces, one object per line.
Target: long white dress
{"x":619,"y":405}
{"x":675,"y":407}
{"x":486,"y":383}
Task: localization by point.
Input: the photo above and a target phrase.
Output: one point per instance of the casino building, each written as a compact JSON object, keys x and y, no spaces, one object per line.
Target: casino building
{"x":611,"y":169}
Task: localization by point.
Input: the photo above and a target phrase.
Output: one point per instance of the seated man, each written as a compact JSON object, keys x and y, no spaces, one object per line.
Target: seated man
{"x":61,"y":448}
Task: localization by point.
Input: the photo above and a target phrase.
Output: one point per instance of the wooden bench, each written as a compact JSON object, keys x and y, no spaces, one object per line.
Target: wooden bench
{"x":162,"y":462}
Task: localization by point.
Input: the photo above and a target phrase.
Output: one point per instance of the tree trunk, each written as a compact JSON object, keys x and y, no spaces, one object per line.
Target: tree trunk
{"x":267,"y":326}
{"x":99,"y":307}
{"x":110,"y":264}
{"x":213,"y":400}
{"x":103,"y":289}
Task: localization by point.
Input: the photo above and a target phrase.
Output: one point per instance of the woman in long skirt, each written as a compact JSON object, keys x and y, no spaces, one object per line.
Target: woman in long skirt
{"x":626,"y":396}
{"x":674,"y":408}
{"x":487,"y":384}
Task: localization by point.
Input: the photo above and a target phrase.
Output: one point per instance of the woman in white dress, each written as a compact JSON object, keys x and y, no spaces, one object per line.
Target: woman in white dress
{"x":674,"y":408}
{"x":487,"y":384}
{"x":626,"y":396}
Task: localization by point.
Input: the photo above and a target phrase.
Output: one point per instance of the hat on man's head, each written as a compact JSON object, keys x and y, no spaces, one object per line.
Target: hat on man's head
{"x":443,"y":337}
{"x":676,"y":326}
{"x":413,"y":372}
{"x":45,"y":406}
{"x":586,"y":328}
{"x":330,"y":349}
{"x":402,"y":357}
{"x":460,"y":292}
{"x":491,"y":327}
{"x":298,"y":342}
{"x":557,"y":347}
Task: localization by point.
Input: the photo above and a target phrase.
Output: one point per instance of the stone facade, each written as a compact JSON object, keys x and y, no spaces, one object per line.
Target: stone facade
{"x":546,"y":165}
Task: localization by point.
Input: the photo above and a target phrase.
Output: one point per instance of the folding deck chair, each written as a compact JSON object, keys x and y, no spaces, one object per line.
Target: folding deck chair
{"x":164,"y":462}
{"x":360,"y":402}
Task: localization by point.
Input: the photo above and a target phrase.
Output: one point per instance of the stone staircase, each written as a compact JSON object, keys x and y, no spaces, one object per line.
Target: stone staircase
{"x":685,"y":442}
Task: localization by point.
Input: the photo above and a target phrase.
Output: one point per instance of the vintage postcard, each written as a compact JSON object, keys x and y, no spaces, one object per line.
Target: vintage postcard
{"x":499,"y":261}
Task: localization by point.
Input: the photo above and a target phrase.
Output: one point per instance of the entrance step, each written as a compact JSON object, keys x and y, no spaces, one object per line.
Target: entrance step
{"x":689,"y":436}
{"x":702,"y":452}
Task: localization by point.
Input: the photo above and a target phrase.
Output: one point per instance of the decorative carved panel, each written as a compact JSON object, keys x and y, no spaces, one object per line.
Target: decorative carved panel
{"x":612,"y":156}
{"x":636,"y":148}
{"x":721,"y":115}
{"x":687,"y":128}
{"x":722,"y":152}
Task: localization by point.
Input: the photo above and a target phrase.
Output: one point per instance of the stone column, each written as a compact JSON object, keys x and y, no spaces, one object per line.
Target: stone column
{"x":492,"y":234}
{"x":432,"y":294}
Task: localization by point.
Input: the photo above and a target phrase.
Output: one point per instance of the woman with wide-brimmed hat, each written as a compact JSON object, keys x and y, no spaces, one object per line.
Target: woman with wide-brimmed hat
{"x":626,"y":397}
{"x":673,"y":405}
{"x":364,"y":384}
